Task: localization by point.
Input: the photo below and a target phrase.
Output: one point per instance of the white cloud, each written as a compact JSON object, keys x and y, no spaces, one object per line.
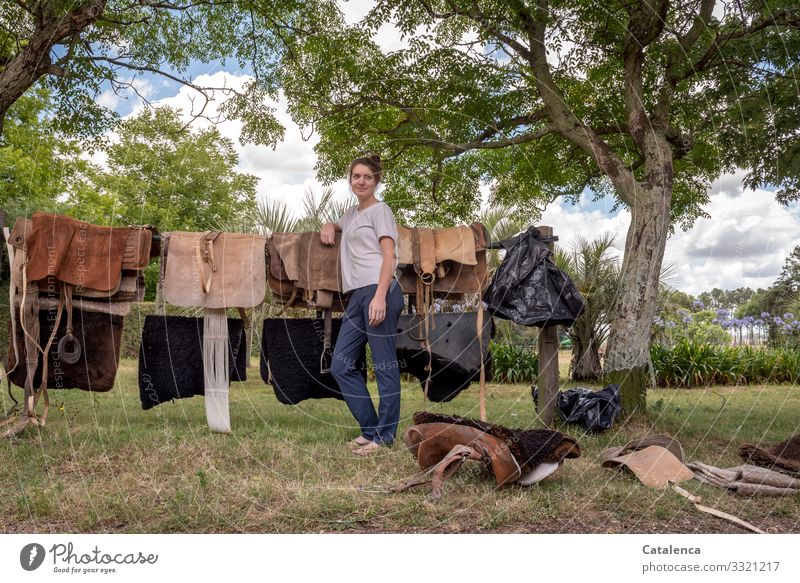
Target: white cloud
{"x":743,"y":244}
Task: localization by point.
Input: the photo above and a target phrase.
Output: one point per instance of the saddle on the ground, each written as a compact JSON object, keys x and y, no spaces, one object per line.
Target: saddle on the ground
{"x":69,"y":270}
{"x":782,"y":457}
{"x":441,"y":444}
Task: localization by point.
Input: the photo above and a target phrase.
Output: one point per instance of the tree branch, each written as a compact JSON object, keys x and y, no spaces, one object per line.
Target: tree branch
{"x":457,"y":149}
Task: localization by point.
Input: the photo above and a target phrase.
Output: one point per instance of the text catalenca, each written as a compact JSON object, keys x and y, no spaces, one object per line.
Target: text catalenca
{"x":670,"y":550}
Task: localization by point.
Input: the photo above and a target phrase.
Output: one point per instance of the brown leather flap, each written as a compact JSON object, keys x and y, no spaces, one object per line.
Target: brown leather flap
{"x":19,"y":233}
{"x":431,"y":442}
{"x":305,"y":260}
{"x":138,"y":248}
{"x":75,"y":252}
{"x":457,"y":244}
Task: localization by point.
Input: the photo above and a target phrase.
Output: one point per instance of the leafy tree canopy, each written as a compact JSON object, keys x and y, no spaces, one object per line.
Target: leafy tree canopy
{"x":74,"y":47}
{"x":39,"y":168}
{"x":161,"y":173}
{"x":463,"y":103}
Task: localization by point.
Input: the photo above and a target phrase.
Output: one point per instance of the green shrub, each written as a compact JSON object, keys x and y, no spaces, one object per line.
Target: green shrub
{"x":513,"y":363}
{"x":690,"y":364}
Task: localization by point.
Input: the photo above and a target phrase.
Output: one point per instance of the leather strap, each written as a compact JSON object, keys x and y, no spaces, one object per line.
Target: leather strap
{"x":482,"y":393}
{"x":205,"y":253}
{"x":160,"y":308}
{"x":325,"y":367}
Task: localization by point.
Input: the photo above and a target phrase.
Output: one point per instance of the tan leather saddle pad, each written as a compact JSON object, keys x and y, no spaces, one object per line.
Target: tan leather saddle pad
{"x":214,"y":270}
{"x":303,"y":269}
{"x":457,"y":259}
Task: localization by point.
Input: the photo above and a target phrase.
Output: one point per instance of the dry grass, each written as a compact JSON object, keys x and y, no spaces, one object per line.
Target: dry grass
{"x":104,"y":465}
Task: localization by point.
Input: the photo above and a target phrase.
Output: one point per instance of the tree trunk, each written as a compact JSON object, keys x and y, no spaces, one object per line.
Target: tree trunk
{"x":585,"y":364}
{"x":628,"y":359}
{"x":33,"y":60}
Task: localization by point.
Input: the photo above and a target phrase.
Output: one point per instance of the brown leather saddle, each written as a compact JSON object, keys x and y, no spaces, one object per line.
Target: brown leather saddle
{"x":442,"y":443}
{"x":71,"y":269}
{"x":215,"y":271}
{"x":445,"y":263}
{"x":304,"y":271}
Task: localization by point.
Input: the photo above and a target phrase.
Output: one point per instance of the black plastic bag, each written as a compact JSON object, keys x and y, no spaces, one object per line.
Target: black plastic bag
{"x":528,"y":288}
{"x":595,"y":410}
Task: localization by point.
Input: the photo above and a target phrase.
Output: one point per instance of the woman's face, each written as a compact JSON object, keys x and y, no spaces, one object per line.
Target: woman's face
{"x":362,"y":181}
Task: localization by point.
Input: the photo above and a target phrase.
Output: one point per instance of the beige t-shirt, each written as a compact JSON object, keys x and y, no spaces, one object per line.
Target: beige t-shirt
{"x":360,"y":254}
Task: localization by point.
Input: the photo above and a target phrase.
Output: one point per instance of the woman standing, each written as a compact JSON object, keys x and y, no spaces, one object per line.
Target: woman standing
{"x":368,"y":259}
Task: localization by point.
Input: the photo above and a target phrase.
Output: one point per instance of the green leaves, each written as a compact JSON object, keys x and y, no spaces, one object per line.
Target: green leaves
{"x":163,"y":173}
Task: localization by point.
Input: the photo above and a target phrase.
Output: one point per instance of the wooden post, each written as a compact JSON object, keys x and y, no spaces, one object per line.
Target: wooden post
{"x":548,"y":361}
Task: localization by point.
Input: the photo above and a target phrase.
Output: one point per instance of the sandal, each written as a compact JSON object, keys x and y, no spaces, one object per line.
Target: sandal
{"x":359,"y":441}
{"x":368,"y":449}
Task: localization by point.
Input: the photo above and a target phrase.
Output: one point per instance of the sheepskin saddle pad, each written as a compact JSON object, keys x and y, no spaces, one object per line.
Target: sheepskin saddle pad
{"x":293,"y":358}
{"x":303,"y":271}
{"x":95,"y":369}
{"x":441,"y":443}
{"x":455,"y":353}
{"x":214,"y":269}
{"x":171,"y":359}
{"x":782,"y":457}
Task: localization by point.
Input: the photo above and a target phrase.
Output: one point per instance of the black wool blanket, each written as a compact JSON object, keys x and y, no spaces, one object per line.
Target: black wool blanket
{"x":292,"y":359}
{"x":171,"y":358}
{"x":455,"y":352}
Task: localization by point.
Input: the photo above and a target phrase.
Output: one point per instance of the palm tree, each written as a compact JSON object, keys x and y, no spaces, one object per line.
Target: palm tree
{"x":595,"y":273}
{"x":499,"y":225}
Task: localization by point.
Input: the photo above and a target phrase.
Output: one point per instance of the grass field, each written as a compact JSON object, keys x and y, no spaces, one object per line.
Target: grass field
{"x":104,"y":465}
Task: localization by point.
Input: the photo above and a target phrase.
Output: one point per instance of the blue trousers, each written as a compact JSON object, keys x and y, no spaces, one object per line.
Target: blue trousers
{"x":379,"y":427}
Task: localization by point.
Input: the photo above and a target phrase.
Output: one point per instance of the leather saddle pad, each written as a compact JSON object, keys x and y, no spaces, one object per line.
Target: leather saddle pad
{"x":99,"y":335}
{"x":227,"y":272}
{"x":75,"y":252}
{"x":460,"y":260}
{"x":92,"y":258}
{"x":300,"y":263}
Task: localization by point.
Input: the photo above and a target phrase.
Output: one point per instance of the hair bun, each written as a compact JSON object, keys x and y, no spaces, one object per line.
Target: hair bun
{"x":375,"y":158}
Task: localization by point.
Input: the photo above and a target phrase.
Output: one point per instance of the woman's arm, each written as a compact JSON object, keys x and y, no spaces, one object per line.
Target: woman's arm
{"x":328,"y":233}
{"x":377,"y":307}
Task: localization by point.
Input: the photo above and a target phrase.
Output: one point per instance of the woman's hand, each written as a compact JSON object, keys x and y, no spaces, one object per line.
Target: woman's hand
{"x":328,"y":234}
{"x":377,"y":311}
